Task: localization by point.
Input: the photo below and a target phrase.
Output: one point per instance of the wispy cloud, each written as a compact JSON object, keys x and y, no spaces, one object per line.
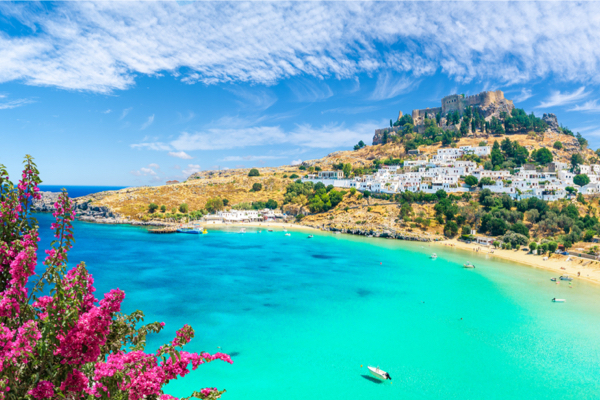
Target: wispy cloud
{"x":150,"y":170}
{"x":389,"y":86}
{"x":306,"y":91}
{"x":104,"y":46}
{"x":185,"y":117}
{"x":352,"y":110}
{"x":303,"y":135}
{"x":260,"y":99}
{"x":524,"y":95}
{"x":125,"y":112}
{"x":15,"y":103}
{"x":148,"y":122}
{"x":107,"y":111}
{"x":190,"y":169}
{"x":249,"y":158}
{"x":588,"y":106}
{"x":561,"y":99}
{"x":180,"y":154}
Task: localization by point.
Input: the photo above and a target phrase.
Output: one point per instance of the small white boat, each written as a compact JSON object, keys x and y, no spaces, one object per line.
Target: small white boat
{"x":468,"y":265}
{"x":558,"y":300}
{"x":310,"y":236}
{"x":288,"y":234}
{"x":243,"y":230}
{"x":285,"y":230}
{"x":433,"y":256}
{"x":379,"y":373}
{"x":338,"y":232}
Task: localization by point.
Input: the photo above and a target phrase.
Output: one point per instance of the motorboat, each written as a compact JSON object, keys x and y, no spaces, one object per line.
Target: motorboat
{"x":553,"y":279}
{"x":196,"y":231}
{"x":285,"y":230}
{"x":468,"y":265}
{"x":433,"y":256}
{"x":379,"y":373}
{"x":288,"y":234}
{"x":310,"y":236}
{"x":555,"y":300}
{"x":269,"y":230}
{"x":565,"y":278}
{"x":243,"y":230}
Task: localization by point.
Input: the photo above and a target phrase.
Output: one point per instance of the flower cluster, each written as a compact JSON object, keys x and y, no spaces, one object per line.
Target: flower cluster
{"x":58,"y":340}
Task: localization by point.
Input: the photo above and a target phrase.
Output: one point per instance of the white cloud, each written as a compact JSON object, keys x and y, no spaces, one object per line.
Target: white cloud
{"x":304,"y":135}
{"x":352,"y":110}
{"x":250,"y":158}
{"x":107,"y":111}
{"x":15,"y":103}
{"x":524,"y":95}
{"x":260,"y":99}
{"x":296,"y":162}
{"x":148,"y":122}
{"x":191,"y":169}
{"x":103,"y":46}
{"x":153,"y":166}
{"x":306,"y":91}
{"x":588,"y":106}
{"x":388,"y":86}
{"x":560,"y":99}
{"x":186,"y":118}
{"x":180,"y":154}
{"x":125,"y":112}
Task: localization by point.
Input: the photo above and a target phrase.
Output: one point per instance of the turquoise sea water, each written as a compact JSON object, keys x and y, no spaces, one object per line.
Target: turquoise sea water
{"x":78,"y":191}
{"x":300,"y":316}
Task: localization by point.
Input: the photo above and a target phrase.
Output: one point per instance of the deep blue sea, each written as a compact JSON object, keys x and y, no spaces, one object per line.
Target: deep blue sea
{"x":78,"y":191}
{"x":303,"y":317}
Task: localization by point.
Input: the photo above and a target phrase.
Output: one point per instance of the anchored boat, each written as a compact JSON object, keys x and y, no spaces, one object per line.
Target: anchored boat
{"x":379,"y":373}
{"x":433,"y":256}
{"x":558,"y":300}
{"x":468,"y":265}
{"x":566,"y":278}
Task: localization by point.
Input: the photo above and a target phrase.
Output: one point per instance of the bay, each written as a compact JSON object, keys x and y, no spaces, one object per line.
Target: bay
{"x":302,"y":318}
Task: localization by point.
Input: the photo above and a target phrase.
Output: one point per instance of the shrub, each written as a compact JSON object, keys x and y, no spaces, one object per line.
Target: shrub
{"x":257,"y":187}
{"x":299,"y":217}
{"x":471,"y":180}
{"x":272,"y":204}
{"x":450,"y":229}
{"x":294,"y":176}
{"x":533,"y":246}
{"x":352,"y":191}
{"x":59,"y":341}
{"x":253,"y":172}
{"x":163,"y":209}
{"x":213,"y":205}
{"x":225,"y":202}
{"x":302,"y":168}
{"x":152,"y":208}
{"x":183,"y":208}
{"x":558,"y":145}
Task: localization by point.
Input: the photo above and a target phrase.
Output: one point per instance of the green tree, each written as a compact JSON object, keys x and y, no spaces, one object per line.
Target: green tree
{"x":543,"y":156}
{"x":256,"y":187}
{"x":225,"y":202}
{"x":213,"y":205}
{"x":183,"y":208}
{"x":471,"y":180}
{"x":581,"y":180}
{"x":163,"y":209}
{"x":253,"y":172}
{"x":576,"y":159}
{"x":558,"y":145}
{"x":450,"y":229}
{"x":152,"y":208}
{"x":272,"y":204}
{"x":347,"y":170}
{"x":533,"y":246}
{"x":552,"y":246}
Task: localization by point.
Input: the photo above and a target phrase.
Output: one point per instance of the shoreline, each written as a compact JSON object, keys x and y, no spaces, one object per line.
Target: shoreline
{"x":589,"y":269}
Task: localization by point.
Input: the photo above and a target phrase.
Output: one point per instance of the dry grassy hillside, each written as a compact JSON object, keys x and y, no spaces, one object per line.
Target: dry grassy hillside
{"x":234,"y":185}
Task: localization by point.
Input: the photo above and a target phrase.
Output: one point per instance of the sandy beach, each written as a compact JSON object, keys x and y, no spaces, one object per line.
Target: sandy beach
{"x":588,"y":270}
{"x":266,"y":225}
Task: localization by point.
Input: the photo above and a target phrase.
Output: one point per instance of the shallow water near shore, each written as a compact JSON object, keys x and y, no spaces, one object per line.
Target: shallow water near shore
{"x":300,"y":316}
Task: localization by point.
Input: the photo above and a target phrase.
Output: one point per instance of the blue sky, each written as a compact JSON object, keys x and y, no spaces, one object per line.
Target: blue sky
{"x":138,"y":93}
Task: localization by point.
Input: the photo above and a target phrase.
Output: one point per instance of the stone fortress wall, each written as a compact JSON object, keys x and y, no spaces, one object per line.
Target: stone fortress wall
{"x":456,"y":102}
